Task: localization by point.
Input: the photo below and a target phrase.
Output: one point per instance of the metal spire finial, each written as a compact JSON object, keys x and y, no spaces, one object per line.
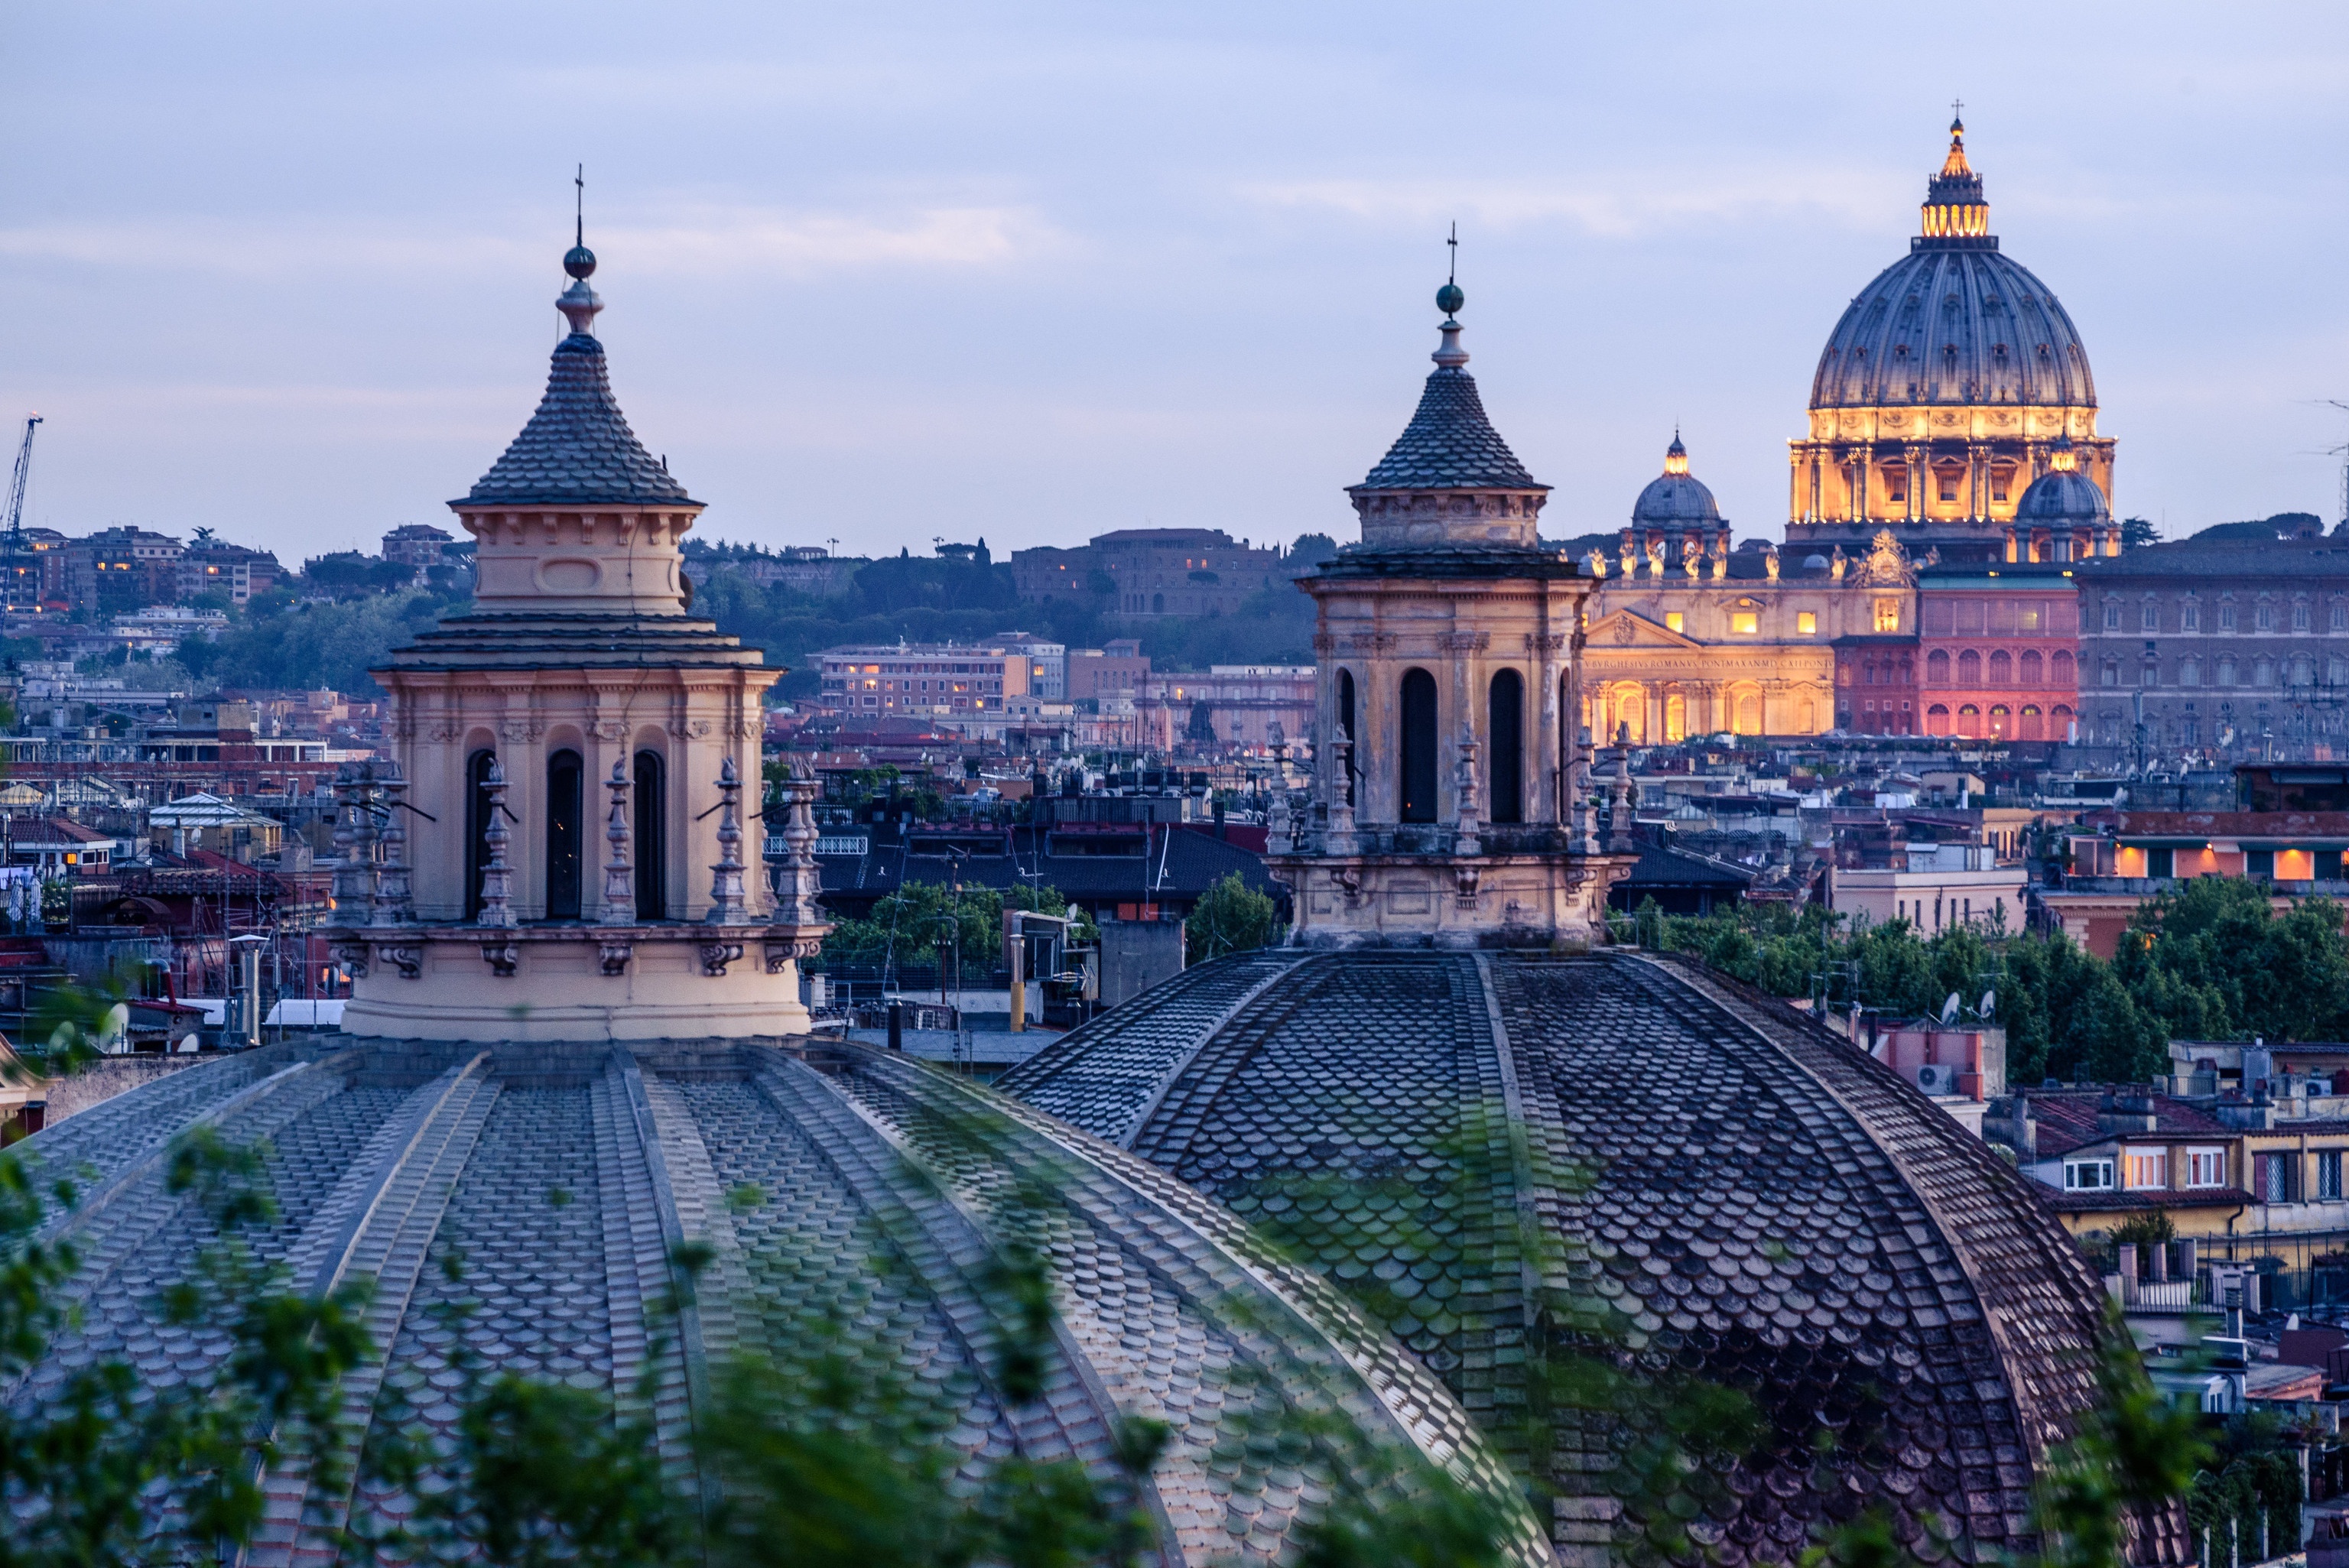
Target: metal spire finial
{"x":579,"y":211}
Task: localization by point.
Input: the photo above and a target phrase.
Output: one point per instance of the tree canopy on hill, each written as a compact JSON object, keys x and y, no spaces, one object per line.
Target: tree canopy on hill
{"x":304,"y":646}
{"x":966,"y":599}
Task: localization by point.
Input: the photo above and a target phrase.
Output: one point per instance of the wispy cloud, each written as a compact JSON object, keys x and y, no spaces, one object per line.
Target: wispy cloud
{"x":1612,"y":209}
{"x":705,"y":241}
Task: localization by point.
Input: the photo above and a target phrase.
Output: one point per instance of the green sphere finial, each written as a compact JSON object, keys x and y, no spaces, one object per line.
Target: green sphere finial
{"x":1449,"y":299}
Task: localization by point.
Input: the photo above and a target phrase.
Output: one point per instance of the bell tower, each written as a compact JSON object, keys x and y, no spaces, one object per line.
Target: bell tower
{"x":1450,"y":800}
{"x":566,"y":842}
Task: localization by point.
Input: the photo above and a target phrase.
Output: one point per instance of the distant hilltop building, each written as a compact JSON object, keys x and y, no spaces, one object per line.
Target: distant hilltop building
{"x":1944,"y":393}
{"x":1152,"y":571}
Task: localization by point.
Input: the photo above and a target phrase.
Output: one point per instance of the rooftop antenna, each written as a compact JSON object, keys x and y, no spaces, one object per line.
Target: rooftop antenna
{"x":2341,"y":451}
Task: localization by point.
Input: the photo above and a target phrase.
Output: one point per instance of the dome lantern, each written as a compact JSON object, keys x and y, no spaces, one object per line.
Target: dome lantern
{"x":1955,"y":207}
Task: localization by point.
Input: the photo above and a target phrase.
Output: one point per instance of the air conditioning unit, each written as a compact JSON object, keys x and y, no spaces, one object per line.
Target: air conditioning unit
{"x":1936,"y":1079}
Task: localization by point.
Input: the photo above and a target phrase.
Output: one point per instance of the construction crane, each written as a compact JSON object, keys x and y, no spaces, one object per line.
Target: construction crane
{"x":16,"y":487}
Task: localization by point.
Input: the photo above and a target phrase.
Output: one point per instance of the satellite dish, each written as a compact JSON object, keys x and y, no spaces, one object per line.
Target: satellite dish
{"x":1988,"y":1002}
{"x":1949,"y":1009}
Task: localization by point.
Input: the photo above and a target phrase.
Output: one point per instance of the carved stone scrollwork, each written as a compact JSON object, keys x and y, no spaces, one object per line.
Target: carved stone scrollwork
{"x":780,"y":954}
{"x":408,"y":960}
{"x":1324,"y":645}
{"x":353,"y":956}
{"x":613,"y":956}
{"x":1467,"y":642}
{"x":717,"y":955}
{"x":1349,"y":880}
{"x":1545,"y":642}
{"x":503,"y":957}
{"x":1464,"y":885}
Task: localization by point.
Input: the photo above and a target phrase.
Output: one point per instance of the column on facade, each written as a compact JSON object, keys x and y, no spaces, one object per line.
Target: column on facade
{"x":1914,"y":456}
{"x":1375,"y":722}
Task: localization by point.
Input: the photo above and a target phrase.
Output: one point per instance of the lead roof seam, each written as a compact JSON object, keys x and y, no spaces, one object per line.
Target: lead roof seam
{"x":387,"y":1171}
{"x":1944,"y":1224}
{"x":1386,"y":1379}
{"x":917,"y":1238}
{"x":690,"y":1348}
{"x":119,"y":1183}
{"x":1167,"y":1079}
{"x":447,"y":1126}
{"x":1526,"y":1200}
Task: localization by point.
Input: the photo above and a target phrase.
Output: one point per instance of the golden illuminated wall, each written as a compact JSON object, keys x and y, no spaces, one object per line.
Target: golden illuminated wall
{"x":1861,"y":466}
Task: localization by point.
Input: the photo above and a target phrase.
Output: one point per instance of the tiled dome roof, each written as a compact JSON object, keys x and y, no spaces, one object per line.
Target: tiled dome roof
{"x":564,"y":1178}
{"x":578,"y":449}
{"x":1764,"y":1208}
{"x":1449,"y":444}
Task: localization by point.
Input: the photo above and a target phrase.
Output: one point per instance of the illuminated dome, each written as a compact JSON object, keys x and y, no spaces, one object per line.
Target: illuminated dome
{"x":2064,"y":495}
{"x":1676,"y":499}
{"x":1955,"y":319}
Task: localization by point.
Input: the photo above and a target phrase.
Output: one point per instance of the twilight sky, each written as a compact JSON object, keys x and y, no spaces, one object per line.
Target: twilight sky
{"x":886,"y":273}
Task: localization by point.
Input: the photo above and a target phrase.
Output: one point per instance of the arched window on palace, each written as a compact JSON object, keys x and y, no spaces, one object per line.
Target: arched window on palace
{"x":2027,"y":668}
{"x":1505,"y":728}
{"x":563,"y":835}
{"x":1416,"y":754}
{"x":2002,"y":668}
{"x":1937,"y":667}
{"x":1969,"y":668}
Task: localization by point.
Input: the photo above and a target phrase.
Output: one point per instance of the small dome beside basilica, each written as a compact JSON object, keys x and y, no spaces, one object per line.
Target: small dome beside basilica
{"x":2064,"y":495}
{"x":1676,"y":498}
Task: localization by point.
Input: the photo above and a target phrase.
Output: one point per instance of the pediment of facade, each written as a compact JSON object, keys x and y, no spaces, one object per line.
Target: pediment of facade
{"x":1629,"y":629}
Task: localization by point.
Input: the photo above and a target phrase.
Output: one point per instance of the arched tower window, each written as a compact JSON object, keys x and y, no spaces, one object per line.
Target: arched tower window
{"x":563,"y":835}
{"x":1346,"y":728}
{"x":477,"y":828}
{"x":651,"y":840}
{"x":1418,"y":749}
{"x":1506,"y":726}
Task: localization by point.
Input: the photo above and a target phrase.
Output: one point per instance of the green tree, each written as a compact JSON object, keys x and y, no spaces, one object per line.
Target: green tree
{"x":1230,"y":917}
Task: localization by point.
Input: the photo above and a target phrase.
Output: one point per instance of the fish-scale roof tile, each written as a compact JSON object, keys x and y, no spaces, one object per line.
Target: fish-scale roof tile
{"x":1450,"y":444}
{"x":577,"y":448}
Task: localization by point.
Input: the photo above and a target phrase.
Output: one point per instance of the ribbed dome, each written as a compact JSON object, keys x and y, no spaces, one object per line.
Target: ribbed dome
{"x":1954,"y":325}
{"x":1954,"y":321}
{"x":860,"y":1191}
{"x":1763,"y":1206}
{"x":2067,"y":496}
{"x":1676,"y":499}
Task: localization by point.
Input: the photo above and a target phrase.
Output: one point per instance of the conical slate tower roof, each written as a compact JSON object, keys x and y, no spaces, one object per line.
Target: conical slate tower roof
{"x":578,"y":449}
{"x":1449,"y":443}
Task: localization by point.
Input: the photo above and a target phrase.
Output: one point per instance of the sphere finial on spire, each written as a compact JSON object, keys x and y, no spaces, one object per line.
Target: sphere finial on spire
{"x":1449,"y":299}
{"x":579,"y":261}
{"x":578,"y":303}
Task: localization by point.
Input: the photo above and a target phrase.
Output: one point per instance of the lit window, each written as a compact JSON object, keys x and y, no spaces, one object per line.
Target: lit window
{"x":1807,"y":622}
{"x":2088,"y":1175}
{"x":1888,"y":615}
{"x":1744,"y":622}
{"x":1674,"y":620}
{"x":2148,"y":1167}
{"x":2205,"y":1168}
